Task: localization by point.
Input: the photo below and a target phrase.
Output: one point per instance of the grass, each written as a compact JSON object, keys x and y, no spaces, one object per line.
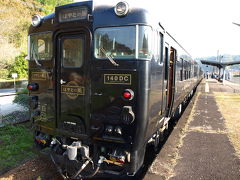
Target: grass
{"x":16,"y":143}
{"x":228,"y":105}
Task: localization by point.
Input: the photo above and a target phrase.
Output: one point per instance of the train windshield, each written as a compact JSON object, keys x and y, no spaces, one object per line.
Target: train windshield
{"x":117,"y":42}
{"x":123,"y":43}
{"x":41,"y":46}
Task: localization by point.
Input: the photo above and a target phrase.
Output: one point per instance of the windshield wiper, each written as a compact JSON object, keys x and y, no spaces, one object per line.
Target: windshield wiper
{"x":110,"y":58}
{"x":34,"y":57}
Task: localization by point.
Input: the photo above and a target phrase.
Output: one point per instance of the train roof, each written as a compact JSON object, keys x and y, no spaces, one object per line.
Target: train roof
{"x":103,"y":14}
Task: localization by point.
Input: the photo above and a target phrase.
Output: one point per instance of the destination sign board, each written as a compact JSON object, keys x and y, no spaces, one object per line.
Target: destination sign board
{"x":73,"y":14}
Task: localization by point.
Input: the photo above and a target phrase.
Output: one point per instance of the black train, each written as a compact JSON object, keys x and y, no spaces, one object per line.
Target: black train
{"x":104,"y":80}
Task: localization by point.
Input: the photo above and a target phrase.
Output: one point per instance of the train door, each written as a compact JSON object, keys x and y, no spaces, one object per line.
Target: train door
{"x":171,"y":78}
{"x":73,"y":82}
{"x":165,"y":79}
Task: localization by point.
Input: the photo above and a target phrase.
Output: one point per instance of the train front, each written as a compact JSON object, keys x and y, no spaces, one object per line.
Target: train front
{"x":87,"y":71}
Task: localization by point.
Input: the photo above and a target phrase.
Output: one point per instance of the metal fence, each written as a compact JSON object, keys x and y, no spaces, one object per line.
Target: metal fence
{"x":14,"y":106}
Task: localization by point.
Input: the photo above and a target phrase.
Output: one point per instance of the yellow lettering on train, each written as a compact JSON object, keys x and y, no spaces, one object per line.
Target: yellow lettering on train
{"x":117,"y":79}
{"x":121,"y":78}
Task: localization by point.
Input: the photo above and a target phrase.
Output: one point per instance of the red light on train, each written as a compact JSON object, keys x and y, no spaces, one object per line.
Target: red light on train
{"x":32,"y":87}
{"x":128,"y":94}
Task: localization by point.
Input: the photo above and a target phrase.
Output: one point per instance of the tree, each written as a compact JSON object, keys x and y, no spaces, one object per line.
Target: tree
{"x":20,"y":66}
{"x":49,"y":5}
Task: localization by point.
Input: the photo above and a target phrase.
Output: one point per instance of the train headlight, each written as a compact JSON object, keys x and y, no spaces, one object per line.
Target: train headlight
{"x":121,"y":9}
{"x":109,"y":129}
{"x":118,"y":130}
{"x":36,"y":20}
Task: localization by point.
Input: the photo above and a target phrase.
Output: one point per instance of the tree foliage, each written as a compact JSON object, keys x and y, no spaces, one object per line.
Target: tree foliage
{"x":49,"y":5}
{"x":15,"y":19}
{"x":20,"y":66}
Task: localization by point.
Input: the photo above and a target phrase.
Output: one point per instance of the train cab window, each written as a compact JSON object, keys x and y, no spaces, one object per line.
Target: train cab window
{"x":145,"y":42}
{"x":73,"y":52}
{"x":41,"y":46}
{"x":115,"y":42}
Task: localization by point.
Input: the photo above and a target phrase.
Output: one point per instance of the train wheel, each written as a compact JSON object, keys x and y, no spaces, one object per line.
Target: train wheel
{"x":161,"y":136}
{"x":166,"y":131}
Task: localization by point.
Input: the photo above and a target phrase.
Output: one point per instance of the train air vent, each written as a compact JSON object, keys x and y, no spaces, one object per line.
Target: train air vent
{"x":128,"y":115}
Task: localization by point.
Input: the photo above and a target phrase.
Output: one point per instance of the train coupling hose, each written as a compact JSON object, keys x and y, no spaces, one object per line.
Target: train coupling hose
{"x":100,"y":161}
{"x":58,"y":168}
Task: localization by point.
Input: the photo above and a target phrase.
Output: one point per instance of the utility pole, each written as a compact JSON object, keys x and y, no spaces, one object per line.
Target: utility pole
{"x":219,"y":69}
{"x":237,"y":25}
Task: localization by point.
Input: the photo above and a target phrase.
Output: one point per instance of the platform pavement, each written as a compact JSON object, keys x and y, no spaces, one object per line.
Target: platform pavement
{"x":206,"y":152}
{"x":198,"y":147}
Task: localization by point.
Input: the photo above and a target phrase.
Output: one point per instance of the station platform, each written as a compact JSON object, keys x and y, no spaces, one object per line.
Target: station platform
{"x":200,"y":146}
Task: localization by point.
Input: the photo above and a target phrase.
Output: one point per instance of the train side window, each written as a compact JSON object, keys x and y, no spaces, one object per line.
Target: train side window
{"x":156,"y":52}
{"x":185,"y":69}
{"x":181,"y":70}
{"x":73,"y":52}
{"x":190,"y":70}
{"x":195,"y":70}
{"x":145,"y":42}
{"x":161,"y":48}
{"x":157,"y":47}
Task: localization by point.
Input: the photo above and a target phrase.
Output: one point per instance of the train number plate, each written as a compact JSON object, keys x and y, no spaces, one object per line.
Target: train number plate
{"x":117,"y":79}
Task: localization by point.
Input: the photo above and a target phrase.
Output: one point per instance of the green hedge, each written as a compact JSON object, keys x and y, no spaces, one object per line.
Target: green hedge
{"x":10,"y":84}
